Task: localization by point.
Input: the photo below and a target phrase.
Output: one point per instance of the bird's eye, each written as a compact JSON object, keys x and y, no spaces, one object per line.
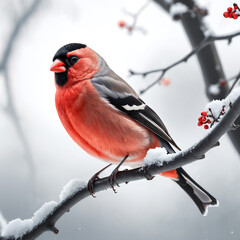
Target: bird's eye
{"x":73,"y":59}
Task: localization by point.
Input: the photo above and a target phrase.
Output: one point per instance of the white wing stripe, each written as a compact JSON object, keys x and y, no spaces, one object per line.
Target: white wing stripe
{"x":134,"y":107}
{"x":153,"y":123}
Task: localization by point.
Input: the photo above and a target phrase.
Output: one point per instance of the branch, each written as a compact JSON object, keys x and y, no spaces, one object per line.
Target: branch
{"x":236,"y":79}
{"x":15,"y":32}
{"x":208,"y":57}
{"x":135,"y":17}
{"x":4,"y":68}
{"x":79,"y":189}
{"x":210,"y":64}
{"x":206,"y":41}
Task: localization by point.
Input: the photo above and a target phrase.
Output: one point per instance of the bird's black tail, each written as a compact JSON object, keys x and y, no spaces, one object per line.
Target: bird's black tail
{"x":199,"y":195}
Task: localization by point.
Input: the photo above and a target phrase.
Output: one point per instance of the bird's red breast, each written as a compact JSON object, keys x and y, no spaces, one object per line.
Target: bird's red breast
{"x":98,"y":128}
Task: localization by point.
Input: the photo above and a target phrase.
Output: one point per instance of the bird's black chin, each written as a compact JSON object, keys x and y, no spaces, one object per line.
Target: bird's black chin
{"x":61,"y":78}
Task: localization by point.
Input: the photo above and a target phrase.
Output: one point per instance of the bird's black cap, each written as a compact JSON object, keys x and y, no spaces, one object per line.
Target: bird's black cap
{"x":62,"y":52}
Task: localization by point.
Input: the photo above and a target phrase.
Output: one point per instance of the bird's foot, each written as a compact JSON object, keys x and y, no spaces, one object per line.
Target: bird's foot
{"x":90,"y":185}
{"x":146,"y":174}
{"x":113,"y":177}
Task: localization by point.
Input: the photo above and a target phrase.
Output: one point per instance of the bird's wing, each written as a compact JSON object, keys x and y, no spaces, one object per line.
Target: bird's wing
{"x":122,"y":96}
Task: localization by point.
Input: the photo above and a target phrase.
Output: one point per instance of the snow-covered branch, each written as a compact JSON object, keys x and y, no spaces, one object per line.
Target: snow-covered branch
{"x":47,"y":216}
{"x":206,"y":41}
{"x":208,"y":58}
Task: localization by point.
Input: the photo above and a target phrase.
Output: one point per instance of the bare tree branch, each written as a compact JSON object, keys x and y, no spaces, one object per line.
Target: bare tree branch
{"x":15,"y":32}
{"x":210,"y":64}
{"x":206,"y":41}
{"x":236,"y":79}
{"x":208,"y":57}
{"x":4,"y":68}
{"x":171,"y":161}
{"x":135,"y":17}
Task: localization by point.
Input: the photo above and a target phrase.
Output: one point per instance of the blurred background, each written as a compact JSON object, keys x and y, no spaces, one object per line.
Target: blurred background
{"x":37,"y":157}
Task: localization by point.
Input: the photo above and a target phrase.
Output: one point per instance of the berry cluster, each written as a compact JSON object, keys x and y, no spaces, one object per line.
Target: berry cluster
{"x":131,"y":28}
{"x":123,"y":24}
{"x":207,"y":119}
{"x":233,"y":13}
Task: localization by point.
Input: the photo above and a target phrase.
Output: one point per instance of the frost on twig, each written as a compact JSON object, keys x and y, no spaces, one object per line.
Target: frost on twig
{"x":157,"y":161}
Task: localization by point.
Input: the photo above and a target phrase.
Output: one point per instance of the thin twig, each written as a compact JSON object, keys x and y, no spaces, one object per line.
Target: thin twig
{"x":206,"y":41}
{"x":172,"y":161}
{"x":4,"y":68}
{"x":208,"y":58}
{"x":236,"y":79}
{"x":135,"y":17}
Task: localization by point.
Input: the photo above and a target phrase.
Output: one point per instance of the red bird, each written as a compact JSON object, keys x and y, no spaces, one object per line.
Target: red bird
{"x":107,"y":118}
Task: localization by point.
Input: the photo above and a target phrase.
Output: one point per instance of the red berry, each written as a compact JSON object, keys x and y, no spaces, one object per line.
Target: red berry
{"x":130,"y":29}
{"x":222,"y":83}
{"x":166,"y":81}
{"x":235,"y":16}
{"x":231,"y":15}
{"x":206,"y":126}
{"x":204,"y":114}
{"x":204,"y":119}
{"x":229,"y":9}
{"x":200,"y":119}
{"x":223,"y":110}
{"x":226,"y":14}
{"x":208,"y":121}
{"x":121,"y":23}
{"x":200,"y":124}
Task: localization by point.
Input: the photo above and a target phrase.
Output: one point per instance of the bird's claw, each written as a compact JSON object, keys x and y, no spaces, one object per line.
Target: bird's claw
{"x":113,"y":177}
{"x":93,"y":179}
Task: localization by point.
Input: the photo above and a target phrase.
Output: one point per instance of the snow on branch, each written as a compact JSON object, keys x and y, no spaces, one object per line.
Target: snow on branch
{"x":206,"y":41}
{"x":155,"y":162}
{"x":43,"y":219}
